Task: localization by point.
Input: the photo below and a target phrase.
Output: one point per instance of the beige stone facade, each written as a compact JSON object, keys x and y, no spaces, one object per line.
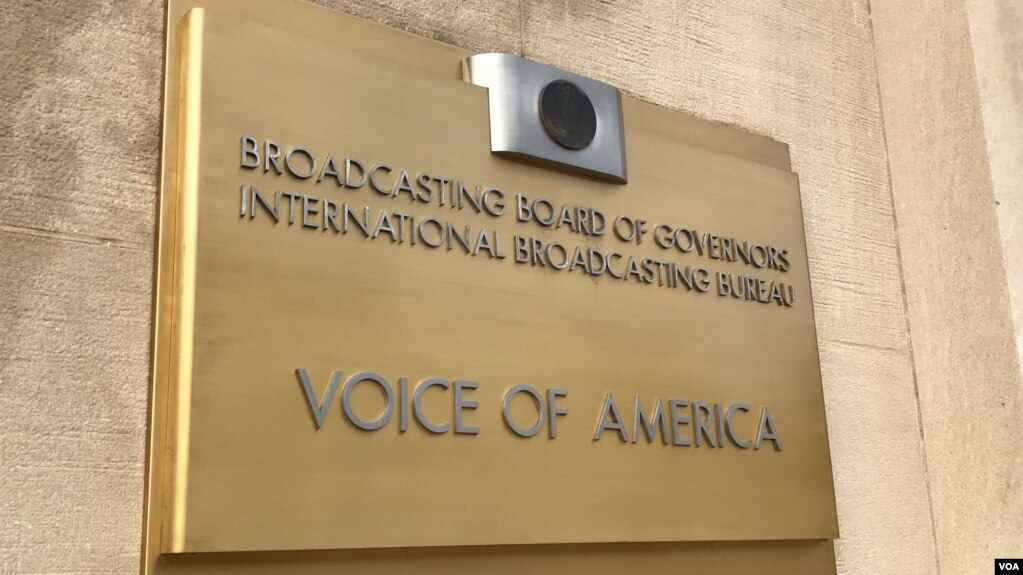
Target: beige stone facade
{"x":904,"y":121}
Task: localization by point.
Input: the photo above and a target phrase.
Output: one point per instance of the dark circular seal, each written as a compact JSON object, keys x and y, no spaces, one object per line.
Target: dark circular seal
{"x":567,"y":114}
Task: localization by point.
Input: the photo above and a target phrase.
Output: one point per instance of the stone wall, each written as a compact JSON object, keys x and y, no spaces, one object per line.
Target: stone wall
{"x":940,"y":130}
{"x":996,"y":32}
{"x":79,"y":146}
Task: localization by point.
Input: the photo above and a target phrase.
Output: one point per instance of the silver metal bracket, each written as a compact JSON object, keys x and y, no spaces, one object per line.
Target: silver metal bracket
{"x":552,"y":126}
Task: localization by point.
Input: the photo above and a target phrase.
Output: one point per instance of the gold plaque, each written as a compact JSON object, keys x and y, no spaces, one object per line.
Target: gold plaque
{"x":371,"y":332}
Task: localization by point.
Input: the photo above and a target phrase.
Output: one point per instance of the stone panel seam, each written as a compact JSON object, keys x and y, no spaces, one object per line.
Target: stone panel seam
{"x":863,"y":345}
{"x":76,"y":238}
{"x":902,"y":289}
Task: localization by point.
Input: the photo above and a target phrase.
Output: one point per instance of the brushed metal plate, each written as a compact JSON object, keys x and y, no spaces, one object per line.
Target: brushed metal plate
{"x":235,"y":463}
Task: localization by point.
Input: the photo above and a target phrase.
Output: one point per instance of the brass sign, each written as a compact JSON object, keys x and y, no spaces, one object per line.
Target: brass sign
{"x":372,"y":332}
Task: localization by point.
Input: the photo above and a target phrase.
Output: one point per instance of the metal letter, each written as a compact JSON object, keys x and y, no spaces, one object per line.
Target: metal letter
{"x":312,"y":163}
{"x":462,"y":404}
{"x":767,"y":431}
{"x":542,"y":413}
{"x":676,"y":420}
{"x":403,"y":408}
{"x":730,"y":425}
{"x":373,"y":178}
{"x":553,"y":410}
{"x":703,"y":419}
{"x":250,"y":152}
{"x":650,"y":424}
{"x":610,"y":418}
{"x":318,"y":408}
{"x":308,"y":210}
{"x":417,"y":404}
{"x":347,"y":405}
